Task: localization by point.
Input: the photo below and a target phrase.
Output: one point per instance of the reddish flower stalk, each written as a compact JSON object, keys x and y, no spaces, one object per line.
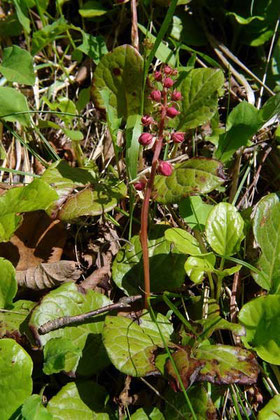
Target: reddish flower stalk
{"x":146,"y":203}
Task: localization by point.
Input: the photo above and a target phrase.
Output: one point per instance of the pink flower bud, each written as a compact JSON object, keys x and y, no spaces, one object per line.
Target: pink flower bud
{"x":172,"y":112}
{"x":158,"y":76}
{"x":178,"y":137}
{"x":140,"y":185}
{"x":147,"y":120}
{"x":167,"y":70}
{"x":176,"y":95}
{"x":145,"y":139}
{"x":174,"y":72}
{"x":168,"y":82}
{"x":156,"y":95}
{"x":165,"y":168}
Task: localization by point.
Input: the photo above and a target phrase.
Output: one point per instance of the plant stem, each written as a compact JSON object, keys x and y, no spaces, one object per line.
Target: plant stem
{"x":146,"y":203}
{"x":220,"y":279}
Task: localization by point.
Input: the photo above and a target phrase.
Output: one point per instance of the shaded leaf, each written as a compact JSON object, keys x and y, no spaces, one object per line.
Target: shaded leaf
{"x":12,"y":322}
{"x":133,"y":347}
{"x":69,"y":299}
{"x":49,"y":33}
{"x":260,"y":317}
{"x":224,"y":229}
{"x":33,"y":409}
{"x":15,"y":376}
{"x":11,"y":69}
{"x":22,"y":14}
{"x":12,"y":102}
{"x":271,"y":411}
{"x":133,"y":130}
{"x":194,"y":211}
{"x":8,"y":284}
{"x":83,"y":405}
{"x":183,"y":240}
{"x":166,"y":265}
{"x":199,"y":399}
{"x":266,"y":229}
{"x":195,"y":176}
{"x":200,"y":90}
{"x":93,"y":46}
{"x":120,"y":72}
{"x":55,"y":352}
{"x":8,"y":225}
{"x":227,"y":365}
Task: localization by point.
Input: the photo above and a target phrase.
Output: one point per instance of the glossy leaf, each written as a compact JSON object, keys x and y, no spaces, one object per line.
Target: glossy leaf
{"x":183,"y":240}
{"x":227,"y":365}
{"x":271,"y":411}
{"x":13,"y":322}
{"x":12,"y":102}
{"x":196,"y":267}
{"x":8,"y":225}
{"x":8,"y":284}
{"x":147,"y":414}
{"x":11,"y":69}
{"x":56,"y":351}
{"x":224,"y":229}
{"x":195,"y":176}
{"x":260,"y":317}
{"x":87,"y":402}
{"x":267,"y":234}
{"x":15,"y":376}
{"x":68,"y":299}
{"x":199,"y":399}
{"x":166,"y":265}
{"x":132,"y":349}
{"x":200,"y":90}
{"x":194,"y":211}
{"x":121,"y":72}
{"x":37,"y":195}
{"x":33,"y":409}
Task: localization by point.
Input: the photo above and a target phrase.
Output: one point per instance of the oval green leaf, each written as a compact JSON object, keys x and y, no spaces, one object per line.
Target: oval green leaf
{"x":15,"y":376}
{"x":261,"y":317}
{"x":12,"y":104}
{"x":224,"y":229}
{"x":183,"y":240}
{"x":12,"y":71}
{"x":195,"y":176}
{"x":33,"y":409}
{"x":8,"y":283}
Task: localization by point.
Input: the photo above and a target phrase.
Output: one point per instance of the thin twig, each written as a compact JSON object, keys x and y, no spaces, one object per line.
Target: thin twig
{"x":57,"y":323}
{"x":134,"y":26}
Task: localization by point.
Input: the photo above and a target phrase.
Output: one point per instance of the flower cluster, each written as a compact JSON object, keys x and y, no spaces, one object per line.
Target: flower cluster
{"x":166,"y":100}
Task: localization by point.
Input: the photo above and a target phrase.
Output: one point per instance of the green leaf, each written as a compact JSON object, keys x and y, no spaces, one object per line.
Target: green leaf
{"x":195,"y":176}
{"x":66,"y":300}
{"x":194,"y":211}
{"x":11,"y":102}
{"x":49,"y":33}
{"x":271,"y":411}
{"x":93,"y":46}
{"x":22,"y":14}
{"x":8,"y":283}
{"x":179,"y":409}
{"x":92,"y":9}
{"x":183,"y":240}
{"x":61,"y":175}
{"x":185,"y":28}
{"x":133,"y":130}
{"x":8,"y":225}
{"x":37,"y":195}
{"x":267,"y":234}
{"x":227,"y":365}
{"x":260,"y":317}
{"x":196,"y":267}
{"x":200,"y":90}
{"x":93,"y":201}
{"x":120,"y":72}
{"x":87,"y":402}
{"x":166,"y":265}
{"x":56,"y":351}
{"x":147,"y":414}
{"x":74,"y":135}
{"x":15,"y":376}
{"x":270,"y":108}
{"x":11,"y":69}
{"x":10,"y":26}
{"x":243,"y":122}
{"x":224,"y":229}
{"x":132,"y":349}
{"x":33,"y":409}
{"x":13,"y":322}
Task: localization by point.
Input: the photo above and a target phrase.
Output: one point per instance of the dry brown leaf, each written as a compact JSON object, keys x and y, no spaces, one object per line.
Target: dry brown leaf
{"x":38,"y":239}
{"x":48,"y":275}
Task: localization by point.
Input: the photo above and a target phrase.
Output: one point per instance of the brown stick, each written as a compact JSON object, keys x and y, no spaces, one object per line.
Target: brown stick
{"x":57,"y":323}
{"x":146,"y":203}
{"x":134,"y":27}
